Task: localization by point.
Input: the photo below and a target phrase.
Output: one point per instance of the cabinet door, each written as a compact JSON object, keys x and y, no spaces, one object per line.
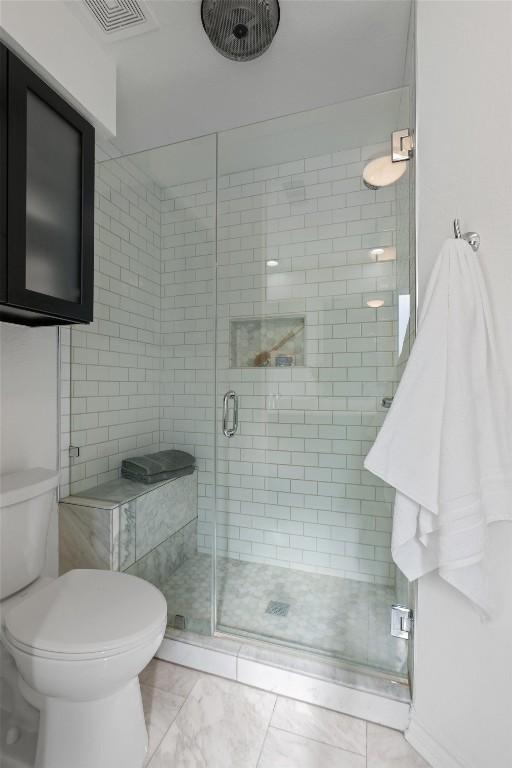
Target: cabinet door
{"x":3,"y":173}
{"x":50,"y":178}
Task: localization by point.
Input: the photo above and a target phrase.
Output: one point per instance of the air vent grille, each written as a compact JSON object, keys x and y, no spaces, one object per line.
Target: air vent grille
{"x":116,"y":15}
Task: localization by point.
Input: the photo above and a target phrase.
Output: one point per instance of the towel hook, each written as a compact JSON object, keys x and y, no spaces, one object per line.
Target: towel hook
{"x":473,"y":238}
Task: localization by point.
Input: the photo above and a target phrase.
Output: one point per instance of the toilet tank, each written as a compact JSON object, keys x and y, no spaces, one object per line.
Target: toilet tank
{"x":26,"y":502}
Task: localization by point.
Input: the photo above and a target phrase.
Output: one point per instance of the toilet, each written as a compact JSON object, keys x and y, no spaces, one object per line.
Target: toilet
{"x":78,"y":641}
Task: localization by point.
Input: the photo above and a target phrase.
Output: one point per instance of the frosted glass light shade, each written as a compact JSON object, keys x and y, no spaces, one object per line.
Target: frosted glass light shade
{"x":382,"y":171}
{"x":385,"y":253}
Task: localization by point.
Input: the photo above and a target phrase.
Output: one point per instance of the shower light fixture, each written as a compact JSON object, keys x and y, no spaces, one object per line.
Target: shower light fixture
{"x":382,"y":171}
{"x":387,"y":253}
{"x":272,"y":263}
{"x":375,"y":303}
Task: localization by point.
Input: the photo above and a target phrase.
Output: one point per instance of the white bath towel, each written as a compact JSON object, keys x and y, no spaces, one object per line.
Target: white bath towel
{"x":444,"y":444}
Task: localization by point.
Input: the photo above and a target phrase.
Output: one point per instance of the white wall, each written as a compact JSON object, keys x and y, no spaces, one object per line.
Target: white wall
{"x":463,"y":679}
{"x":28,"y":406}
{"x":49,"y":38}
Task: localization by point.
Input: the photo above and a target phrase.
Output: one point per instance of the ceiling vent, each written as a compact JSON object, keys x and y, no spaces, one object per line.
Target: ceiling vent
{"x":121,"y":18}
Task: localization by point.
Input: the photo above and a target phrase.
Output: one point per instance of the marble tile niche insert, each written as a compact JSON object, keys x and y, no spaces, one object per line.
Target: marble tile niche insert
{"x":257,"y":342}
{"x":123,"y":525}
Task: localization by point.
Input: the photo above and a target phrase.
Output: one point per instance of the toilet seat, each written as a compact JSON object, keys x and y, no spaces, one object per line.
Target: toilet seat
{"x":87,"y":614}
{"x":8,"y":603}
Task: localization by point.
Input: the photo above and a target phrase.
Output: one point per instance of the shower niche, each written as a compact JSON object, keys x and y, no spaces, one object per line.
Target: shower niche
{"x":267,"y":342}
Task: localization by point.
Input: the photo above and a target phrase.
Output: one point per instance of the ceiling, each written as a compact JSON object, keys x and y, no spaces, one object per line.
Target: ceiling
{"x":173,"y":85}
{"x":353,"y":123}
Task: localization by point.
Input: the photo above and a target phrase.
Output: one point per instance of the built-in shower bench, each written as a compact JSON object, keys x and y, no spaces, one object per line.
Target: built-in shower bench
{"x":145,"y":530}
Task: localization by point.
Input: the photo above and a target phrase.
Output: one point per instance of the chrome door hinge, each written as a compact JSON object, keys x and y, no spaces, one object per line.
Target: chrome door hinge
{"x":402,"y":145}
{"x":401,"y":621}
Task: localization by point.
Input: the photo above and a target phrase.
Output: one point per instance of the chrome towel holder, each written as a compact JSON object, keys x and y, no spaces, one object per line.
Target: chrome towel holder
{"x":473,"y":238}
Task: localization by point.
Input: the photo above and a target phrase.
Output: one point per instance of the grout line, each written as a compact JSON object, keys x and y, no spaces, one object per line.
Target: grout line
{"x":157,"y":747}
{"x":269,"y":724}
{"x":258,"y":762}
{"x":185,"y":699}
{"x":319,"y":741}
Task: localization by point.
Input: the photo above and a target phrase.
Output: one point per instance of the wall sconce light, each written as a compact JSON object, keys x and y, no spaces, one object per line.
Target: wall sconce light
{"x":387,"y":169}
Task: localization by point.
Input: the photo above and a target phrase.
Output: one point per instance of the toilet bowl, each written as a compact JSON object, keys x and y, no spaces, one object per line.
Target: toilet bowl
{"x":79,"y":644}
{"x":19,"y":721}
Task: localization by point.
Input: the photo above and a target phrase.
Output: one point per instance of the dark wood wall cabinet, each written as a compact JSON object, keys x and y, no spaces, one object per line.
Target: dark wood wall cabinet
{"x":46,"y":202}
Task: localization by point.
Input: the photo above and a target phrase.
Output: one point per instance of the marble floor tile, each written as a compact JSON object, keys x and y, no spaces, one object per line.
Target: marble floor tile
{"x":169,"y":677}
{"x":320,"y":724}
{"x":160,"y":709}
{"x":289,"y":750}
{"x":388,"y":749}
{"x":196,"y":720}
{"x":222,"y":724}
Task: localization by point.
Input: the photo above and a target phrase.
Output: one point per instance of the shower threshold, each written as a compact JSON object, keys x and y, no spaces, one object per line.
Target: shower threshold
{"x":354,"y":690}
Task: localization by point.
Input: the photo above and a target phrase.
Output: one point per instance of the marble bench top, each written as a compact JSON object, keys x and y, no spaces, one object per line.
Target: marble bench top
{"x":114,"y":493}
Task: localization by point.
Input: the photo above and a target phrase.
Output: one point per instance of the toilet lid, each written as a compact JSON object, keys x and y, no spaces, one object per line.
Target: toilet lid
{"x":88,"y":611}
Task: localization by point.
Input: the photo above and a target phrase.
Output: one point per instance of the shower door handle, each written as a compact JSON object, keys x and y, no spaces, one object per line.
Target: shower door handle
{"x":230,"y":431}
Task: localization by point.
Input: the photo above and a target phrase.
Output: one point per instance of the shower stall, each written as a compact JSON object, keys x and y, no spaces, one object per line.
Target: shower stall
{"x":255,"y":307}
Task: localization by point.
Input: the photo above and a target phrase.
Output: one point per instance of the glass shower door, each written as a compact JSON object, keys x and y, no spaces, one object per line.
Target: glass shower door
{"x":142,"y":376}
{"x":313,"y":290}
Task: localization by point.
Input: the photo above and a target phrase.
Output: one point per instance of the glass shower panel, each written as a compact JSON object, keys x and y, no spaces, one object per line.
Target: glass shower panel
{"x":309,"y":322}
{"x":254,"y":307}
{"x":143,"y":372}
{"x":406,"y":282}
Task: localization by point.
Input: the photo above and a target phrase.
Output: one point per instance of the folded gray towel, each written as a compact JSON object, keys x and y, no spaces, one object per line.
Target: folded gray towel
{"x":156,"y":466}
{"x":158,"y":476}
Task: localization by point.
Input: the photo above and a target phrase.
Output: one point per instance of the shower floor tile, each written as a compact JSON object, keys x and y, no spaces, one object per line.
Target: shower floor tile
{"x":340,"y":617}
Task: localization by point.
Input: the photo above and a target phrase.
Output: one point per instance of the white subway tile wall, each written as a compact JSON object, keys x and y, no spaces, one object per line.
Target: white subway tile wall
{"x":116,"y":360}
{"x":291,"y":488}
{"x":188,"y":331}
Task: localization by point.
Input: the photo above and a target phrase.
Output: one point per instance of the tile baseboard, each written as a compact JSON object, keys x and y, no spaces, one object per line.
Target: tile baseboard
{"x":424,"y":743}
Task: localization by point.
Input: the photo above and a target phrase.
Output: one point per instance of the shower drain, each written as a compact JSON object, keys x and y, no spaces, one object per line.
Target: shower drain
{"x":277,"y":609}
